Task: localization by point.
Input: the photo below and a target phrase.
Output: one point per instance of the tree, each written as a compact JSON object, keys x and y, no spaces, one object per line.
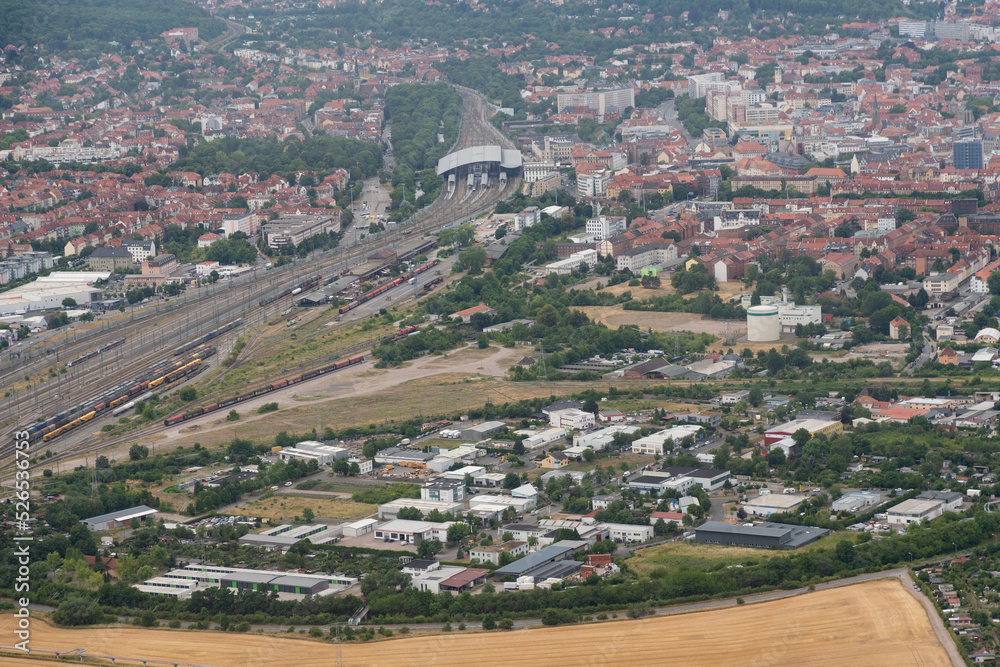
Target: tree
{"x":308,"y":515}
{"x":138,"y":452}
{"x":69,"y":302}
{"x":755,"y":397}
{"x":489,"y":623}
{"x":429,"y":548}
{"x":457,"y":532}
{"x":511,"y":480}
{"x":78,"y":611}
{"x":187,"y":394}
{"x":354,"y":469}
{"x":801,"y":437}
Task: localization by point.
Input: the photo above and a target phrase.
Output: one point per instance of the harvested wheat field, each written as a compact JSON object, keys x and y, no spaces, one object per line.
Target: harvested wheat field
{"x":874,"y":623}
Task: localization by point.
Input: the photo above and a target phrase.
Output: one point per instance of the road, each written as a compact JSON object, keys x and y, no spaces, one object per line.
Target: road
{"x":233,"y":30}
{"x":668,"y":112}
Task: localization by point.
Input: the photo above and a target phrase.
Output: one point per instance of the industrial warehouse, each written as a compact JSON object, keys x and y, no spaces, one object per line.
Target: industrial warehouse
{"x":182,"y":581}
{"x":765,"y":535}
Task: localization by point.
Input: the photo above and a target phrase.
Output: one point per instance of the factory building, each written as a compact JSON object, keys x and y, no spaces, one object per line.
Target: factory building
{"x":192,"y":577}
{"x":285,"y":536}
{"x":311,"y":450}
{"x":479,"y":432}
{"x":119,"y":519}
{"x":764,"y":535}
{"x":390,"y":509}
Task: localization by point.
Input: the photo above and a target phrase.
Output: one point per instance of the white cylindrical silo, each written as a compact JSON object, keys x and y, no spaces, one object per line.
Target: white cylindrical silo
{"x":762,"y":324}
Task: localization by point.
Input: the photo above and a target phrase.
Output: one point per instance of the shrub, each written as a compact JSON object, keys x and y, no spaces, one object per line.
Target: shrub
{"x":78,"y":611}
{"x":315,"y":632}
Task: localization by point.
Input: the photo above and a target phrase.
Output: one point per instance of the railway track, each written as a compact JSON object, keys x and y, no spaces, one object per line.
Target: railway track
{"x":475,"y":130}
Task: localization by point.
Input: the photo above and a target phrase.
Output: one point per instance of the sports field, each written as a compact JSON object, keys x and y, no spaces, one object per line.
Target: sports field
{"x":874,"y":623}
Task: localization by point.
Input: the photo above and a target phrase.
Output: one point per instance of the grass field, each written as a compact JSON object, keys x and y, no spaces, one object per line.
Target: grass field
{"x":876,"y":623}
{"x":689,"y":554}
{"x":285,"y":506}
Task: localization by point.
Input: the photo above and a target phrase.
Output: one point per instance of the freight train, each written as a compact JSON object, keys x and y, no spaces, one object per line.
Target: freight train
{"x":207,"y":337}
{"x":132,"y":390}
{"x":306,"y":284}
{"x":368,"y":296}
{"x":176,"y":419}
{"x":93,"y":353}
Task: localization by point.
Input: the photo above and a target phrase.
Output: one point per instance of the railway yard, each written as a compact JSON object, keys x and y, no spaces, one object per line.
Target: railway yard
{"x":71,"y":386}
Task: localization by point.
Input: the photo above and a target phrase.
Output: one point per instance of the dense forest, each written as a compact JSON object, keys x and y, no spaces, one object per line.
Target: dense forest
{"x":269,"y":156}
{"x":69,"y":25}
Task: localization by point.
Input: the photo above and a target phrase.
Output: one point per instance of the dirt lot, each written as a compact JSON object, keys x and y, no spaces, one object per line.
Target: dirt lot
{"x":285,"y":506}
{"x":875,"y":623}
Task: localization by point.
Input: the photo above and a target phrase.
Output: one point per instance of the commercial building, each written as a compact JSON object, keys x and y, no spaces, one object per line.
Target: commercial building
{"x":914,"y":510}
{"x":968,"y":154}
{"x":480,"y":432}
{"x":399,"y":456}
{"x":390,"y":509}
{"x":120,"y":518}
{"x":950,"y":500}
{"x":856,"y":501}
{"x":764,"y":535}
{"x":813,"y":426}
{"x":285,"y":536}
{"x":48,"y":292}
{"x":601,"y":102}
{"x":536,"y":439}
{"x":235,"y":579}
{"x":294,"y":228}
{"x":660,"y":442}
{"x":773,"y":503}
{"x":606,"y":226}
{"x":411,"y":532}
{"x":359,"y":528}
{"x":311,"y":450}
{"x":625,"y":533}
{"x":599,"y":440}
{"x":567,"y":266}
{"x":520,"y":504}
{"x":491,"y":554}
{"x":439,"y":578}
{"x":543,"y":559}
{"x":443,"y":490}
{"x":572,"y":419}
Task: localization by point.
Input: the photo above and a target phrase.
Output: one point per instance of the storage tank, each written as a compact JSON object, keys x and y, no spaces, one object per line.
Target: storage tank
{"x":762,"y":324}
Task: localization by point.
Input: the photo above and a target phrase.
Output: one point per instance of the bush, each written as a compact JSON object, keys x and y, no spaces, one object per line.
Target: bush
{"x":315,"y":632}
{"x":78,"y":611}
{"x":505,"y":624}
{"x":242,"y":626}
{"x":174,"y":624}
{"x":267,"y":407}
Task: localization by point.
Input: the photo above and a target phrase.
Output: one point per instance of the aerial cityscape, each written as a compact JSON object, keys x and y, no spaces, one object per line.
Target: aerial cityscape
{"x":421,"y":332}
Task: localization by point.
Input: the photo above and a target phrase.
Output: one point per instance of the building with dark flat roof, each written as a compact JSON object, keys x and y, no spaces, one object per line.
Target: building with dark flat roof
{"x":763,"y":535}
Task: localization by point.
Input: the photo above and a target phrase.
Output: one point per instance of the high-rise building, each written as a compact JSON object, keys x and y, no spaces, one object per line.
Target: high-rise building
{"x":968,"y":154}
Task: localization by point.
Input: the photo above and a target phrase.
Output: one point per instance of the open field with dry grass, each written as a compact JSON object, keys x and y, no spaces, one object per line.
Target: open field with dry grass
{"x":286,"y":506}
{"x":876,"y":623}
{"x":690,"y":554}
